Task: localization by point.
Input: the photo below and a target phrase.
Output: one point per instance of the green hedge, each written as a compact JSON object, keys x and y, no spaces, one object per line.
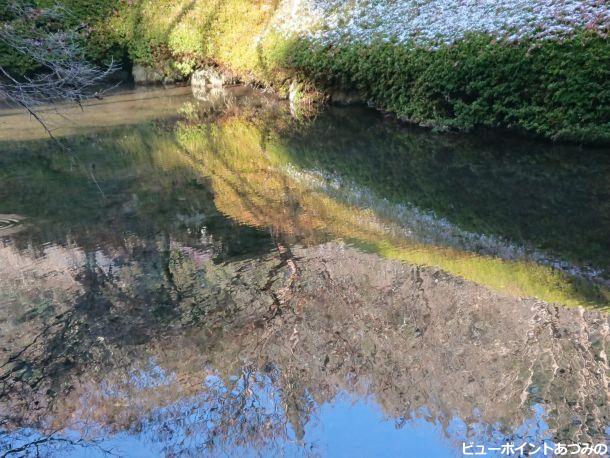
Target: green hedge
{"x":558,"y":90}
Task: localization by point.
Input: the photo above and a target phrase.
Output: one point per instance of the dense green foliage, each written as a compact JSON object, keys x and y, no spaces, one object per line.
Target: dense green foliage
{"x":88,"y":16}
{"x":99,"y":43}
{"x":11,"y":60}
{"x":556,"y":89}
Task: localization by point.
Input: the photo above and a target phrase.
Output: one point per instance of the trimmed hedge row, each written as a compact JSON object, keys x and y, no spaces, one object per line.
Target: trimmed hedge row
{"x":559,"y":90}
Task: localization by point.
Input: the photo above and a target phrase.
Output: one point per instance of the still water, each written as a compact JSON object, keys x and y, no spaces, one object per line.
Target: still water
{"x":211,"y":276}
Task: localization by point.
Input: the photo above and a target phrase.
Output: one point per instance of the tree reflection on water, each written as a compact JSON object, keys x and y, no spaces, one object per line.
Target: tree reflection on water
{"x":214,"y":300}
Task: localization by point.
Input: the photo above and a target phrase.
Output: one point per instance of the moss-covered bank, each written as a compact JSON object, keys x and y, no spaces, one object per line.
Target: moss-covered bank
{"x":553,"y":88}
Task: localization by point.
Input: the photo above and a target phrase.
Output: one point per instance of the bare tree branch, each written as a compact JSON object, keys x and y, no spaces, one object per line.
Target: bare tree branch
{"x":53,"y":439}
{"x":63,"y":74}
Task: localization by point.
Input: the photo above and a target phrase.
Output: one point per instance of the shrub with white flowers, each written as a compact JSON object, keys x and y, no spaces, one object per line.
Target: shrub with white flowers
{"x":436,"y":22}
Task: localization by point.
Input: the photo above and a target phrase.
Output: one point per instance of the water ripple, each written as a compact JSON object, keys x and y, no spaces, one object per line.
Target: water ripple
{"x":8,"y":223}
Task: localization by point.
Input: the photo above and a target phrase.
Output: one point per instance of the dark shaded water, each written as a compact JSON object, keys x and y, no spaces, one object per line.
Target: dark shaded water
{"x":188,"y":277}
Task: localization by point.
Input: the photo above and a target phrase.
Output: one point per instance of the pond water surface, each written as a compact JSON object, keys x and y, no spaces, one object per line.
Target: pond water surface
{"x":210,"y":276}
